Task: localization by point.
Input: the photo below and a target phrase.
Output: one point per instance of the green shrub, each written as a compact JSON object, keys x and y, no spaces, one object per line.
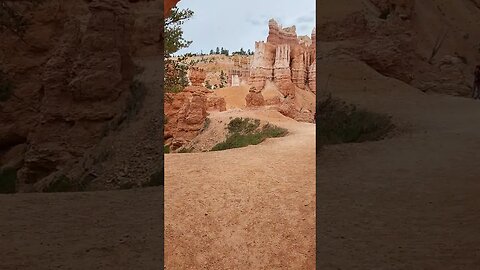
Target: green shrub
{"x":238,"y":140}
{"x":243,"y":125}
{"x":207,"y":123}
{"x":8,"y":180}
{"x":338,"y":123}
{"x":244,"y":132}
{"x":185,"y":150}
{"x":166,"y":149}
{"x":271,"y":131}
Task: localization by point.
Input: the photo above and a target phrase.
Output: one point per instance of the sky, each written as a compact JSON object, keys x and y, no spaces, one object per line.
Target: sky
{"x":238,"y":24}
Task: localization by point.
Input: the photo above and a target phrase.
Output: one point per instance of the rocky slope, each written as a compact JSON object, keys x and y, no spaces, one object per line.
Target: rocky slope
{"x":431,"y":45}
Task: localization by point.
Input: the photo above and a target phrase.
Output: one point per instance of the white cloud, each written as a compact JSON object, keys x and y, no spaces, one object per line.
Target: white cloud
{"x":235,"y":25}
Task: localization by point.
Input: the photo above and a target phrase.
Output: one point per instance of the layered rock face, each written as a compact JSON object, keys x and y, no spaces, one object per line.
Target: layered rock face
{"x":185,"y":115}
{"x":72,"y":81}
{"x":289,"y":62}
{"x":261,"y":68}
{"x":285,"y":59}
{"x":240,"y":72}
{"x":216,"y":103}
{"x":254,"y":98}
{"x":84,"y":87}
{"x":187,"y":111}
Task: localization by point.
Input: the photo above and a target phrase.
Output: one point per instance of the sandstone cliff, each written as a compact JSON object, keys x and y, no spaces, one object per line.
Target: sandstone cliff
{"x":73,"y":76}
{"x":289,"y":62}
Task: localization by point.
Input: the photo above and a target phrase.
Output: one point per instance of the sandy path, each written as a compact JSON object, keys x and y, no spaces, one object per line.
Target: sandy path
{"x":246,"y":208}
{"x":88,"y":230}
{"x":410,"y":202}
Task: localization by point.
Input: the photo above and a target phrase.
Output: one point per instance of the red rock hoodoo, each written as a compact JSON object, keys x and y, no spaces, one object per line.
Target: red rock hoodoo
{"x":287,"y":60}
{"x":187,"y":111}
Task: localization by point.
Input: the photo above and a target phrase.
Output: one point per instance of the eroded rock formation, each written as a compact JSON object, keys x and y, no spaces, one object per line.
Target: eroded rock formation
{"x":187,"y":111}
{"x":216,"y":103}
{"x":72,"y":80}
{"x":185,"y":114}
{"x":289,"y":62}
{"x":285,"y":59}
{"x":254,"y":98}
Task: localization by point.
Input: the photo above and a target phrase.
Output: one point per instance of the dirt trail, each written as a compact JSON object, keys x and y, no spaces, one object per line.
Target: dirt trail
{"x":245,"y":208}
{"x":409,"y":202}
{"x":88,"y":230}
{"x":249,"y":208}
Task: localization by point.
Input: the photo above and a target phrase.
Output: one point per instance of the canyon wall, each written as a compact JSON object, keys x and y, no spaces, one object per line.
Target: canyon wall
{"x":72,"y":75}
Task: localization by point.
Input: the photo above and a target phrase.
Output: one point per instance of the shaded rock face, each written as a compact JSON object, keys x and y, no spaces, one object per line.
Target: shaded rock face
{"x":72,"y":81}
{"x":402,"y":8}
{"x":147,"y":31}
{"x":397,"y":38}
{"x":85,"y":85}
{"x":254,"y":98}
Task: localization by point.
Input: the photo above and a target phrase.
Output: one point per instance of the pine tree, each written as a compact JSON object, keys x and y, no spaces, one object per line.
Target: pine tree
{"x":223,"y":79}
{"x":207,"y":84}
{"x":176,"y":71}
{"x":217,"y":51}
